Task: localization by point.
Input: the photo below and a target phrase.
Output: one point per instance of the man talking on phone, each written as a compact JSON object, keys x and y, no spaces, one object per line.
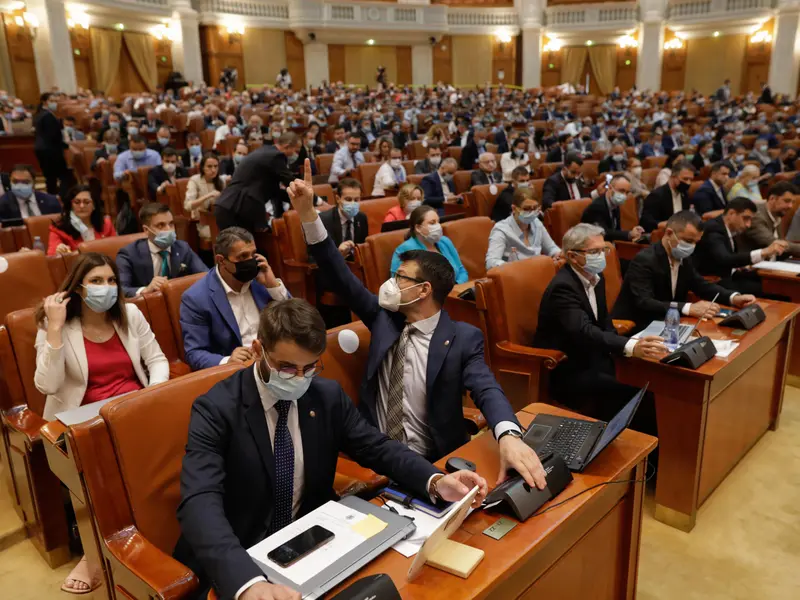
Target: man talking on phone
{"x":262,"y":451}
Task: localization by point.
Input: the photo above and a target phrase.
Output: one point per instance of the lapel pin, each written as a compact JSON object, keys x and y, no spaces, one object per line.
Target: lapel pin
{"x":447,"y":342}
{"x":312,"y":414}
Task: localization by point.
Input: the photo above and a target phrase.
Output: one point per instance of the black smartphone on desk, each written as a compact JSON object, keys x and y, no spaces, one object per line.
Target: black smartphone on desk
{"x":296,"y":548}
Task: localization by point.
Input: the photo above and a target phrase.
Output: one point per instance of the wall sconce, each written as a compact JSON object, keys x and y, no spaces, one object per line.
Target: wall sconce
{"x":234,"y":30}
{"x":29,"y":22}
{"x":162,"y":32}
{"x":674,"y":44}
{"x":553,"y":45}
{"x":627,"y":41}
{"x":761,"y":37}
{"x":503,"y":37}
{"x":79,"y":20}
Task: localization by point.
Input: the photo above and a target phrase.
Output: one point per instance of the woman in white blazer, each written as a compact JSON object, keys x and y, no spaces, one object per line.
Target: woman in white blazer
{"x":516,"y":157}
{"x":90,"y":346}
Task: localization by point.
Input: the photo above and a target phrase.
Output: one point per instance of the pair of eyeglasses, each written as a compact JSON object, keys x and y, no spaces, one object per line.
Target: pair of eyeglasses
{"x":595,"y":251}
{"x":290,"y":372}
{"x":414,"y":279}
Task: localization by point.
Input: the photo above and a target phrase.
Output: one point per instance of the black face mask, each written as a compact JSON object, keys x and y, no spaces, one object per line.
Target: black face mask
{"x":246,"y":270}
{"x":586,"y":138}
{"x":683,"y":187}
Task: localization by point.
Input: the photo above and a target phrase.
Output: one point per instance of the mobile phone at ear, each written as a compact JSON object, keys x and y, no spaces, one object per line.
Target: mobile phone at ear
{"x":299,"y":546}
{"x":609,"y":177}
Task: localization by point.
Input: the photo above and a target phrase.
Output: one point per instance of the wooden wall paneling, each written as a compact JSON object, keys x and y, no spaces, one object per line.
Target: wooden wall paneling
{"x":23,"y":64}
{"x":336,"y":69}
{"x":673,"y":66}
{"x":551,"y":69}
{"x":404,"y":73}
{"x":711,"y":60}
{"x":295,"y":60}
{"x":755,"y":67}
{"x":220,"y":50}
{"x":626,"y":67}
{"x":82,"y":57}
{"x":163,"y":49}
{"x":504,"y":58}
{"x":443,"y":60}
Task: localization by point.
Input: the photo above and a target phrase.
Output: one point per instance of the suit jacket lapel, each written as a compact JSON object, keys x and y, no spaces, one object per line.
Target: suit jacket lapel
{"x":143,"y":249}
{"x":582,"y":294}
{"x":311,"y":431}
{"x":441,"y":342}
{"x":74,"y":338}
{"x":337,"y":226}
{"x":220,"y":300}
{"x":257,"y":422}
{"x":175,"y":262}
{"x":663,"y":260}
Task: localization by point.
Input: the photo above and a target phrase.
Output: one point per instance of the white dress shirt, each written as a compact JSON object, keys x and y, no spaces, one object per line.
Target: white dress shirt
{"x":677,"y":201}
{"x":245,"y":310}
{"x":588,"y":287}
{"x":755,"y":255}
{"x":28,"y":207}
{"x":157,"y":261}
{"x":268,"y":401}
{"x":415,"y":396}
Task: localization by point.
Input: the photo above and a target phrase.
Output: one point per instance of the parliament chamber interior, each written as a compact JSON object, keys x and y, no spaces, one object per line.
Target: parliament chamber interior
{"x":399,"y":299}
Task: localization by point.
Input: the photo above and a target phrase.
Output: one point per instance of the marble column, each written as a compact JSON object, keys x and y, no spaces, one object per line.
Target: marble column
{"x":785,"y":60}
{"x":316,"y":63}
{"x":186,"y":56}
{"x":651,"y":44}
{"x":531,"y":21}
{"x":52,"y":48}
{"x":422,"y":64}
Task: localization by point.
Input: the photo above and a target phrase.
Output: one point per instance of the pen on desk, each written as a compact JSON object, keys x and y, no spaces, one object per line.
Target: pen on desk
{"x":703,"y":318}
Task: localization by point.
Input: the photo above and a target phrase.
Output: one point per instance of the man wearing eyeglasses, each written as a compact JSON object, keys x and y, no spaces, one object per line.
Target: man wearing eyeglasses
{"x":262,"y":451}
{"x":574,"y":318}
{"x":420,"y":361}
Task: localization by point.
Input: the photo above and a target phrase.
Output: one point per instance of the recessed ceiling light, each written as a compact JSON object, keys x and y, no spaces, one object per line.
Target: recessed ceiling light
{"x":370,"y":42}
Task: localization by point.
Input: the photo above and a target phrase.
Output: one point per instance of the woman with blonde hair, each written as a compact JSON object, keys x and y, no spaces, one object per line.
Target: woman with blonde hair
{"x":746,"y":185}
{"x":410,"y":198}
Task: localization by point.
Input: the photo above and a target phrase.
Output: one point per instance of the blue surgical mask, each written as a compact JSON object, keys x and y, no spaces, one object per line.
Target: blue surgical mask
{"x":350,"y":209}
{"x":595,"y":263}
{"x":133,"y":130}
{"x":69,"y":130}
{"x":111,"y":148}
{"x":682,"y":250}
{"x":195,"y":150}
{"x":165,"y":239}
{"x":528,"y":216}
{"x":137,"y":154}
{"x":23,"y":190}
{"x":100,"y":298}
{"x":163,"y":141}
{"x":284,"y":389}
{"x":52,"y":106}
{"x":237,"y":158}
{"x":114,"y":125}
{"x":618,"y":198}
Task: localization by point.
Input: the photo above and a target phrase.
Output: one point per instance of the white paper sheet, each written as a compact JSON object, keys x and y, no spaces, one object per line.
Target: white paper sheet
{"x":725,"y":347}
{"x":777,"y":265}
{"x":425,"y":523}
{"x":334,"y":517}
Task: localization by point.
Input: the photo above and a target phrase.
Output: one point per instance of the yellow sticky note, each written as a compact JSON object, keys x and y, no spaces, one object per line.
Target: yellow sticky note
{"x":369,"y":526}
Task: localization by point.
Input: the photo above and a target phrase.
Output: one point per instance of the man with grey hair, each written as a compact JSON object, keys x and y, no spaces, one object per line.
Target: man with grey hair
{"x":487,"y":172}
{"x":438,"y":186}
{"x":219,"y":313}
{"x":574,"y":318}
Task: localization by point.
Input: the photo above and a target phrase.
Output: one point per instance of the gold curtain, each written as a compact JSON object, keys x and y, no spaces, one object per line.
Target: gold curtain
{"x":140,"y":46}
{"x":572,"y":64}
{"x":106,"y":46}
{"x":604,"y":66}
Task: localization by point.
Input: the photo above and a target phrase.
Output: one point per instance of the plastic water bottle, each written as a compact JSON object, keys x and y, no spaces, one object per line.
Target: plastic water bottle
{"x":37,"y":243}
{"x":672,"y":322}
{"x":513,"y":256}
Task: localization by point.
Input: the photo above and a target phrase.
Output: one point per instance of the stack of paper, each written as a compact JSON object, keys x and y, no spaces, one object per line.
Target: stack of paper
{"x":725,"y":347}
{"x":777,"y":265}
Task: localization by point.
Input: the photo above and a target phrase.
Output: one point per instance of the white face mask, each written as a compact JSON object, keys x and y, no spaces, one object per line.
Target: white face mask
{"x":390,"y":293}
{"x":434,"y":233}
{"x":396,"y":163}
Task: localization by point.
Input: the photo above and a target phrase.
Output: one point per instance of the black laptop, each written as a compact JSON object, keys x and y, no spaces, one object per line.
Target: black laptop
{"x":577,"y":441}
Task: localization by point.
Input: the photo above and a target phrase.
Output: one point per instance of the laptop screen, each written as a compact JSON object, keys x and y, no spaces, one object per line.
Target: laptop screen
{"x":616,"y":425}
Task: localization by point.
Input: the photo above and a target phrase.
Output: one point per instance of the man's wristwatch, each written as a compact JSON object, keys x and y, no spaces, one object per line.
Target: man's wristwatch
{"x":513,"y":432}
{"x":433,"y":491}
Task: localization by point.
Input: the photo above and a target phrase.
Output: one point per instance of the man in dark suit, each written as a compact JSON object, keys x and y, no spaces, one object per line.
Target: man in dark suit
{"x":22,"y":200}
{"x":151,"y":122}
{"x":574,"y":319}
{"x":163,"y":140}
{"x":719,"y":252}
{"x":784,"y":163}
{"x":472,"y":151}
{"x":345,"y":223}
{"x":675,"y":139}
{"x":440,"y":357}
{"x":670,"y":198}
{"x":262,"y":452}
{"x":653,"y":147}
{"x":167,"y":172}
{"x":228,"y":165}
{"x":723,"y":94}
{"x":430,"y":163}
{"x":710,"y":198}
{"x":486,"y":172}
{"x":520,"y":177}
{"x":560,"y":152}
{"x":219,"y":313}
{"x":339,"y":140}
{"x":604,"y":211}
{"x":615,"y":161}
{"x":258,"y":181}
{"x":664,"y":273}
{"x":146,"y":265}
{"x":193,"y":154}
{"x":766,"y":94}
{"x":566,"y":183}
{"x":439,"y":186}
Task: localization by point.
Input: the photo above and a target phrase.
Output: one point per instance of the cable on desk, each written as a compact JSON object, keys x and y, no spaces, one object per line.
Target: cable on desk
{"x":647,"y":478}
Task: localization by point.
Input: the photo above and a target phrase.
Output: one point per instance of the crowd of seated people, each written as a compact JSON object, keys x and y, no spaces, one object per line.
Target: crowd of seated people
{"x":251,"y":156}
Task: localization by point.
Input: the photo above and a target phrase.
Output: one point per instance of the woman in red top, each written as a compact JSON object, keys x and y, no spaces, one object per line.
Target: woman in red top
{"x":92,"y":346}
{"x":410,"y":197}
{"x":81,"y":220}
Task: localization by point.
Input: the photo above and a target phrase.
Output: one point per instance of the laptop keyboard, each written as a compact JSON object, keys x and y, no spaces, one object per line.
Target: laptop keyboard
{"x":567,"y":440}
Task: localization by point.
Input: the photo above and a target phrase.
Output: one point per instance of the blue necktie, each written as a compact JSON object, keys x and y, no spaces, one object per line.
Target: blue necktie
{"x":164,"y":263}
{"x":284,"y":469}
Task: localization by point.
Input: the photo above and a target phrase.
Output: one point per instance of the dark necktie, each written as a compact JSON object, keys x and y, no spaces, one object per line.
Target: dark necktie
{"x":283,"y":450}
{"x":29,"y":204}
{"x":348,"y":231}
{"x":164,"y":263}
{"x":394,"y":403}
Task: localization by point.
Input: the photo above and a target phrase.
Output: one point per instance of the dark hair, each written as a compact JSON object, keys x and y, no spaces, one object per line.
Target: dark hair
{"x":336,"y":128}
{"x":150,"y":210}
{"x":69,"y":118}
{"x":435,"y":269}
{"x":434,"y":146}
{"x":83,"y":264}
{"x":519,"y":172}
{"x":520,"y":139}
{"x":673,"y":154}
{"x":216,"y":181}
{"x":782,"y":187}
{"x":64,"y":223}
{"x":228,"y":237}
{"x":353,"y":135}
{"x":573,"y":158}
{"x":168,"y":151}
{"x":22,"y":167}
{"x":682,"y":165}
{"x":702,"y":144}
{"x":347,"y":182}
{"x":718,"y":165}
{"x":137,"y":139}
{"x":740,"y":204}
{"x":191,"y":137}
{"x":680,"y":220}
{"x":292,"y":320}
{"x":563,"y":138}
{"x":416,"y":217}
